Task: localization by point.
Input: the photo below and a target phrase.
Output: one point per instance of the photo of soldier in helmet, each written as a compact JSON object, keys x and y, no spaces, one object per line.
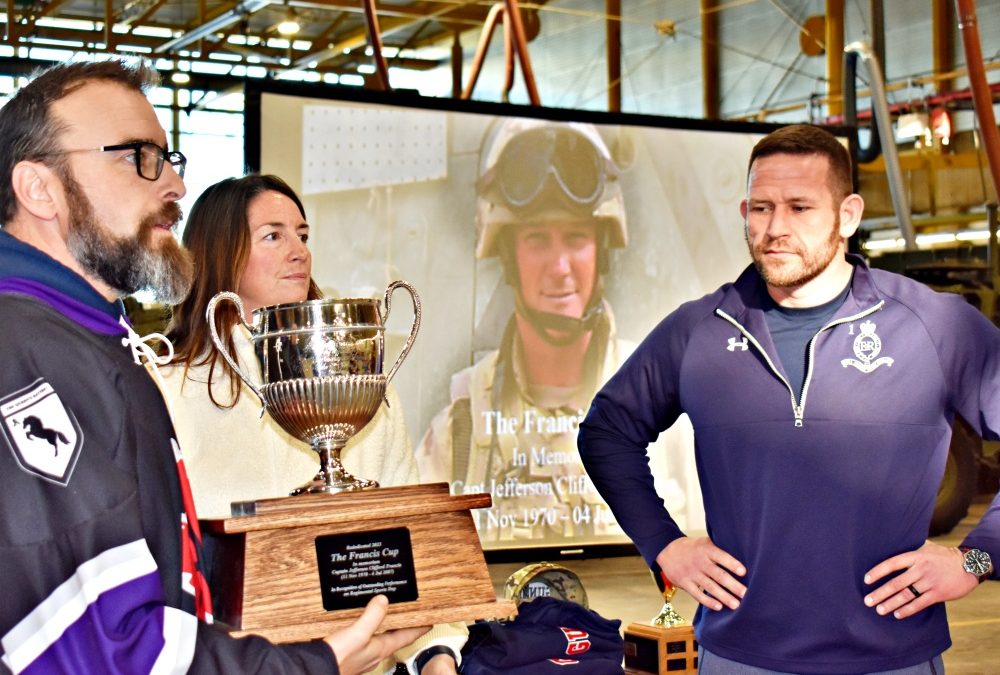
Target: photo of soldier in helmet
{"x":550,"y":208}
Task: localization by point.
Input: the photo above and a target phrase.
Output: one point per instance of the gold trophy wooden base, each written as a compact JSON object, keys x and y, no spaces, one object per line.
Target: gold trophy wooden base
{"x":266,"y":579}
{"x":658,"y":650}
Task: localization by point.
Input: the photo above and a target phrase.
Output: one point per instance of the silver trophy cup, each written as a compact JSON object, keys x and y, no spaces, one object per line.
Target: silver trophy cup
{"x":321,"y":363}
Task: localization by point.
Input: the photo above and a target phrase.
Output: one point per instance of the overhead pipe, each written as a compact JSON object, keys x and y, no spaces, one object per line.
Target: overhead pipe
{"x":933,"y":101}
{"x":877,"y":16}
{"x":508,"y":57}
{"x":494,"y":15}
{"x":515,"y":42}
{"x":884,"y":129}
{"x":863,"y":154}
{"x":513,"y":16}
{"x":849,"y":88}
{"x":613,"y":29}
{"x":982,"y":99}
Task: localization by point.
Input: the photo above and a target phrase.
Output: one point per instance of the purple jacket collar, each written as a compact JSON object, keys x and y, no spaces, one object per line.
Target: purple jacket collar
{"x":749,"y":293}
{"x":26,"y":270}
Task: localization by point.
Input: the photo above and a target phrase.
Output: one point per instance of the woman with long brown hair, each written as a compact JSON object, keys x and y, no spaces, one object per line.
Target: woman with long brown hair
{"x":219,"y":229}
{"x":248,"y":235}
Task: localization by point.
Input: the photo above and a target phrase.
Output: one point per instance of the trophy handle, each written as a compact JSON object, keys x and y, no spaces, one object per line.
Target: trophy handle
{"x":417,"y":313}
{"x":210,"y":317}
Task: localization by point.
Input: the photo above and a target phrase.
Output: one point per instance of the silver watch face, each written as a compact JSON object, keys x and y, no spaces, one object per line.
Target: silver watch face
{"x":977,"y":562}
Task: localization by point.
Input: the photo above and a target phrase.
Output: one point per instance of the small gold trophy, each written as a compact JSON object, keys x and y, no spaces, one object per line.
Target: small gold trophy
{"x":664,"y":645}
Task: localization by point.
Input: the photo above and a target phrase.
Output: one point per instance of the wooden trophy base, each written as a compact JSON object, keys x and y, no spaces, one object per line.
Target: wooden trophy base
{"x":297,"y":568}
{"x":655,"y":650}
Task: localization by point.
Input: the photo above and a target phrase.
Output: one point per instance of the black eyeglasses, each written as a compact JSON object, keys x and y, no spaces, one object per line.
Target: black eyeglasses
{"x":147,"y":157}
{"x":540,"y":157}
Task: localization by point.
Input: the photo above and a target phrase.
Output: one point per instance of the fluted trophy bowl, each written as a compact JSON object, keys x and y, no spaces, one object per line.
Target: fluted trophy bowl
{"x":321,"y":366}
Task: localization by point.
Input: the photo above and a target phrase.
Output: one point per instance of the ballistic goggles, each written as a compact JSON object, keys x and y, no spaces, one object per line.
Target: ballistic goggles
{"x":541,"y":163}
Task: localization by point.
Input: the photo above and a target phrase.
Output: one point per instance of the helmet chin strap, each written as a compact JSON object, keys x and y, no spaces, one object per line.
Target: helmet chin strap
{"x":566,"y":329}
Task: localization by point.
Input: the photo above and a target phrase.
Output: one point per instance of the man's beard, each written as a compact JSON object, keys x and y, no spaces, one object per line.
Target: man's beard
{"x":800,"y":272}
{"x":129,"y":264}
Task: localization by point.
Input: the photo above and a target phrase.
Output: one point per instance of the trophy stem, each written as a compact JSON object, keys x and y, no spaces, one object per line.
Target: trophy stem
{"x":668,"y":617}
{"x":332,"y":477}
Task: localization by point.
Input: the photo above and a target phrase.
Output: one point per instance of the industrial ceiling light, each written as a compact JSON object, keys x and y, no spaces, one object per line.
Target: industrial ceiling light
{"x":912,"y":125}
{"x":289,"y":25}
{"x":181,"y":75}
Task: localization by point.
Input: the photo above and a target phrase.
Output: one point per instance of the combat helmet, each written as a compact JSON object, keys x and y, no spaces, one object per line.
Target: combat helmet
{"x":530,"y":169}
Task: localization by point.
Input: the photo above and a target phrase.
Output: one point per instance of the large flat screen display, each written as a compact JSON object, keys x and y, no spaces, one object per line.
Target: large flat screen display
{"x":544,"y":244}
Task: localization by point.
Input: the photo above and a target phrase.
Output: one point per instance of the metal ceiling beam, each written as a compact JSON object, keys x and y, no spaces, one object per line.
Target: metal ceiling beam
{"x":329,"y":30}
{"x":271,"y":57}
{"x":46,"y":11}
{"x":374,"y":35}
{"x":942,"y":23}
{"x":613,"y":30}
{"x":11,"y":23}
{"x":389,"y":26}
{"x":834,"y":44}
{"x":130,"y":10}
{"x":212,"y":25}
{"x":109,"y":22}
{"x":146,"y":16}
{"x":710,"y":70}
{"x":471,"y":12}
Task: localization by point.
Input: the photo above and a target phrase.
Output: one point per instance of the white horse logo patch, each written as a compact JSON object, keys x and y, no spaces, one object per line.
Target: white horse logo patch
{"x":42,"y":433}
{"x":867,"y":346}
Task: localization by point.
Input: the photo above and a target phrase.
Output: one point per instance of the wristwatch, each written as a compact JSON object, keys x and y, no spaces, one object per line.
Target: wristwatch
{"x":977,"y":563}
{"x":429,"y":653}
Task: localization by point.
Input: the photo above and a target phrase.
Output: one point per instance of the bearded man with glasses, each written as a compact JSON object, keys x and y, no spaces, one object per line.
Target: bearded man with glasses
{"x":100,"y":570}
{"x":550,"y":206}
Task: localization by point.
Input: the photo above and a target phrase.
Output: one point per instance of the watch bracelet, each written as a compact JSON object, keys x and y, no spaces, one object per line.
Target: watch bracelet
{"x":429,"y":653}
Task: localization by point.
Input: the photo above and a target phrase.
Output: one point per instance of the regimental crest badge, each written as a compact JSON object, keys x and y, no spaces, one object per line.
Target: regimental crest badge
{"x":867,"y":347}
{"x":42,"y":432}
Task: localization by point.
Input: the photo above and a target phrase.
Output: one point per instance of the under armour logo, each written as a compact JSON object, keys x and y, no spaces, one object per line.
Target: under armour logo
{"x":735,"y":344}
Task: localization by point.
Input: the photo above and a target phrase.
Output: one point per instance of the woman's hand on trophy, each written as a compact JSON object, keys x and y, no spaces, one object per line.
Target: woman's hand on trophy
{"x":358,"y":649}
{"x":704,"y":570}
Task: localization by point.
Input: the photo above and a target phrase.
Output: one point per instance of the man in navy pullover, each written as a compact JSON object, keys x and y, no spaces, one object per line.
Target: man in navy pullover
{"x":100,"y":569}
{"x":822,"y":394}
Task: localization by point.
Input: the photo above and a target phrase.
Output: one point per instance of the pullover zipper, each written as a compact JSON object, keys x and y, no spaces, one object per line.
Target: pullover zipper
{"x":798,"y":408}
